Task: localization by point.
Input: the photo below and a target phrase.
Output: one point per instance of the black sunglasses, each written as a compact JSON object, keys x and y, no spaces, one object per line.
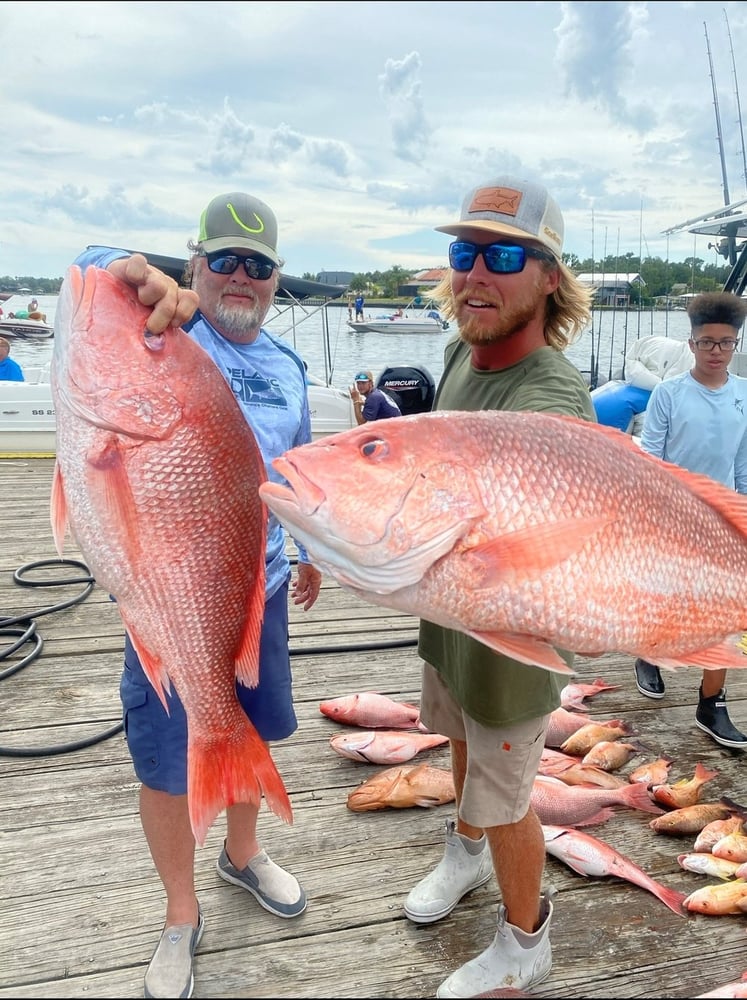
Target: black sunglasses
{"x":226,"y":263}
{"x":500,"y":258}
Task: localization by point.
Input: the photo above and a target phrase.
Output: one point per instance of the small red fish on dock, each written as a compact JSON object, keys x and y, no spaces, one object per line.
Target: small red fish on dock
{"x":692,"y":819}
{"x":587,"y":855}
{"x":654,"y":772}
{"x":719,"y":900}
{"x":704,"y":863}
{"x":402,"y":787}
{"x":611,"y":755}
{"x":716,"y":829}
{"x":587,"y":736}
{"x":564,"y":805}
{"x":370,"y":710}
{"x":384,"y":746}
{"x":686,"y":792}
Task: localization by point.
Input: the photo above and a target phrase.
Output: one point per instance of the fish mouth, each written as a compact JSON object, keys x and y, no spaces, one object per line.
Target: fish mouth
{"x":376,"y":566}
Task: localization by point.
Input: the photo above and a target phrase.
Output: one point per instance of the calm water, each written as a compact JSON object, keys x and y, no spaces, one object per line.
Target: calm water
{"x":336,"y":353}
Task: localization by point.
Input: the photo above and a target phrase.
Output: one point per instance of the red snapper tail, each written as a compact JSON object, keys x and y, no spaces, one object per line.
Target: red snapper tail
{"x":225,"y":771}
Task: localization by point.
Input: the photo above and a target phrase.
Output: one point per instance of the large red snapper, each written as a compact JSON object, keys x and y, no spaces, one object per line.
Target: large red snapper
{"x":157,"y":474}
{"x":526,"y":531}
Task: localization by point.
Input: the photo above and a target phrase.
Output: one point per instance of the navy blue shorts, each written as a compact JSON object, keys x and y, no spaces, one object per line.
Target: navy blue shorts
{"x":157,"y":740}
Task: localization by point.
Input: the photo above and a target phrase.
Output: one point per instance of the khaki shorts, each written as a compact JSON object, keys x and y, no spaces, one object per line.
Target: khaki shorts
{"x":502,"y":762}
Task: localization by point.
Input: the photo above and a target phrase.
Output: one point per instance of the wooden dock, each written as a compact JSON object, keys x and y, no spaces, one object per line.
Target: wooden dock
{"x":82,"y":907}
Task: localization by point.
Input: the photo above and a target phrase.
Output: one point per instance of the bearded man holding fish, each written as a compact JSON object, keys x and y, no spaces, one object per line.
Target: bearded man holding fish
{"x":517,"y":307}
{"x":234,"y":274}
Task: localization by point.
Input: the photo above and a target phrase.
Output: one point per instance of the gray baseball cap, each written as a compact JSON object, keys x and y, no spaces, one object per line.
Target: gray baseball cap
{"x":510,"y":206}
{"x":239,"y":221}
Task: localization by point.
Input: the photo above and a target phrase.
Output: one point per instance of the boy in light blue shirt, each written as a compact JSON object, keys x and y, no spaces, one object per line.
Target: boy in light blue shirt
{"x":698,"y":420}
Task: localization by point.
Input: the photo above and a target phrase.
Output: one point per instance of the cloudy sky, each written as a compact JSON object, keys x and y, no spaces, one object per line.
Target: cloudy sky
{"x":363,"y":125}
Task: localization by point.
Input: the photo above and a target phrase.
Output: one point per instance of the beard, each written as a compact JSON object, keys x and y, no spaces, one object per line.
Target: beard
{"x":237,"y":321}
{"x":505,"y":319}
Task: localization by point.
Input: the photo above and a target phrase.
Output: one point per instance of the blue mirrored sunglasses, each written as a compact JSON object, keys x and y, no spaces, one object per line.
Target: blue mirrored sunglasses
{"x":500,"y":258}
{"x":258,"y":268}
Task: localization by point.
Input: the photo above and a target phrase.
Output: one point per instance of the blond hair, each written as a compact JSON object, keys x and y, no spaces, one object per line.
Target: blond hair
{"x":567,"y":313}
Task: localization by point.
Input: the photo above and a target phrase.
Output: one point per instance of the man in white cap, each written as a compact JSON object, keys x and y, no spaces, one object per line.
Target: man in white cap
{"x":234,"y":269}
{"x":517,"y":307}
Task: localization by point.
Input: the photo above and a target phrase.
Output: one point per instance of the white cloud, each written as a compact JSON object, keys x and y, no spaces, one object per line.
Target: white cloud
{"x":362,"y":125}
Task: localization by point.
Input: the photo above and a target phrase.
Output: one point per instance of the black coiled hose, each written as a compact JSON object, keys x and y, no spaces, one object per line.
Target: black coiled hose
{"x":23,"y":629}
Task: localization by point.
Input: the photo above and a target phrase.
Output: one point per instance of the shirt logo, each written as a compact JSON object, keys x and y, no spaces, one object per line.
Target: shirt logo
{"x":255,"y":389}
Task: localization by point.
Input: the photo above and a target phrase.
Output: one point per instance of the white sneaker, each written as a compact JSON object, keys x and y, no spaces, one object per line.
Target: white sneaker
{"x":514,"y":960}
{"x":456,"y":874}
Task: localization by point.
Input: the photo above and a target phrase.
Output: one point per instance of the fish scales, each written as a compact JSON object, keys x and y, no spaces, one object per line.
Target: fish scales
{"x":528,"y":531}
{"x":157,"y":475}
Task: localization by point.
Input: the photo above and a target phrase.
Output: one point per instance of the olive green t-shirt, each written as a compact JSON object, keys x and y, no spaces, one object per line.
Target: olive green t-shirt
{"x":495,"y":689}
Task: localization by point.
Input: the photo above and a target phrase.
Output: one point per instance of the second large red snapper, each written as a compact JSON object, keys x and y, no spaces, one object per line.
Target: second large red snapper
{"x":527,"y":531}
{"x":157,"y":474}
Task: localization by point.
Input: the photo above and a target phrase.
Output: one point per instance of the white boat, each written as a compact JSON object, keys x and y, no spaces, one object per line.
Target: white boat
{"x":410,"y":320}
{"x":25,"y":329}
{"x":27,"y":417}
{"x":17,"y":322}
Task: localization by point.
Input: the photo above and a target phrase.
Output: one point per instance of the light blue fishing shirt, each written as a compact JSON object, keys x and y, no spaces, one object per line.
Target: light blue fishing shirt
{"x":268,"y":379}
{"x":703,"y":430}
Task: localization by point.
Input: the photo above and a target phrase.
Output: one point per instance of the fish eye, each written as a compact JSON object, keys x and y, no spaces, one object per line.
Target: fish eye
{"x":375,"y":449}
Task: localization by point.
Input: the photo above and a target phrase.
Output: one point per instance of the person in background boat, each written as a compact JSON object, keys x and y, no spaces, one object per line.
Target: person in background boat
{"x":698,"y":419}
{"x":517,"y":307}
{"x":370,"y":403}
{"x":359,"y":304}
{"x":234,"y":269}
{"x":350,"y":308}
{"x":10,"y":370}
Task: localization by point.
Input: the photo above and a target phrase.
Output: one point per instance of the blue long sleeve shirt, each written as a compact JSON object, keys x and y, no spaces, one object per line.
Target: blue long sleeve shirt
{"x":703,"y":430}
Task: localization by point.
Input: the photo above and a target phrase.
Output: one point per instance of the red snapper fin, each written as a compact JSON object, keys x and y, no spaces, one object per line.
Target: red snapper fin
{"x":58,"y":510}
{"x":247,"y":658}
{"x":524,"y":648}
{"x":222,"y":771}
{"x":152,"y":667}
{"x":731,"y":653}
{"x":532,"y":551}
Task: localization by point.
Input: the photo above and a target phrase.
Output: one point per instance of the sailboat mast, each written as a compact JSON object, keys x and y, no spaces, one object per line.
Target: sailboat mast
{"x":718,"y":119}
{"x":739,"y":108}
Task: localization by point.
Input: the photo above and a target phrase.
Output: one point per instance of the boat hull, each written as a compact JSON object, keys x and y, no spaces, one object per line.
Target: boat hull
{"x":25,"y":329}
{"x":397,"y":326}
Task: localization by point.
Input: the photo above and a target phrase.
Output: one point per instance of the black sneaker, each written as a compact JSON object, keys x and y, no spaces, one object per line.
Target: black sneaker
{"x":648,"y":679}
{"x":712,"y":717}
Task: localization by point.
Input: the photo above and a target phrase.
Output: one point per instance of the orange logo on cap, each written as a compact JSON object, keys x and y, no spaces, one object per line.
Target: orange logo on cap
{"x":506,"y":201}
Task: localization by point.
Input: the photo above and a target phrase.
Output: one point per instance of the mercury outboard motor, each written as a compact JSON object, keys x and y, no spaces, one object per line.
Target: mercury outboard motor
{"x":411,"y":387}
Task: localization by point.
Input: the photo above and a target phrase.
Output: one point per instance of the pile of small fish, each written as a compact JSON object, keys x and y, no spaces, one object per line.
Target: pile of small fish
{"x":389,"y":732}
{"x":720,"y":848}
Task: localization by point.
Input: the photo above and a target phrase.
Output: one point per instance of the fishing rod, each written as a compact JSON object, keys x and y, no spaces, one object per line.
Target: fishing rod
{"x":736,"y":94}
{"x":718,"y":119}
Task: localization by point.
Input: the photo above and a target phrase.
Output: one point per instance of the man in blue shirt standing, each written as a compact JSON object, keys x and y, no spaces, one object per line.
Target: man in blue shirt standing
{"x":234,"y":269}
{"x":698,"y":420}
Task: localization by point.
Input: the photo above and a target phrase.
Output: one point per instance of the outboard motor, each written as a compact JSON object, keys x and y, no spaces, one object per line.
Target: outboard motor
{"x":412,"y":388}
